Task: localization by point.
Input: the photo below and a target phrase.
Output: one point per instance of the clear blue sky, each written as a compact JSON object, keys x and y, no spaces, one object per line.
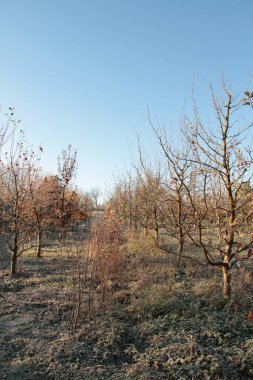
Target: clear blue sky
{"x":82,"y":72}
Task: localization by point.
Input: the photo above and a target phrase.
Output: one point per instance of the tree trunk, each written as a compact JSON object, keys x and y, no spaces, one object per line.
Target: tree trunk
{"x":14,"y":258}
{"x":135,"y":218}
{"x":145,"y":231}
{"x":156,"y":226}
{"x":226,"y":283}
{"x":156,"y":235}
{"x":39,"y":241}
{"x":180,"y":228}
{"x":180,"y":250}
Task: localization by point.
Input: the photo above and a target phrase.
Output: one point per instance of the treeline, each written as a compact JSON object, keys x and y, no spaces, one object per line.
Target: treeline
{"x":199,"y":193}
{"x":33,"y":204}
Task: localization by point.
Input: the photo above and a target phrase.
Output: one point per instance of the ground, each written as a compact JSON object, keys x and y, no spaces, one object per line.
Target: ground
{"x":156,"y":322}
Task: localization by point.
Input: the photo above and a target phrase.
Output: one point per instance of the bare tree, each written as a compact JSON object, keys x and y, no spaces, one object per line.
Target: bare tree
{"x":67,"y":165}
{"x":42,"y":194}
{"x":171,"y":198}
{"x":95,"y":195}
{"x":123,"y":200}
{"x":148,"y":197}
{"x":17,"y":227}
{"x":223,"y":165}
{"x":8,"y":127}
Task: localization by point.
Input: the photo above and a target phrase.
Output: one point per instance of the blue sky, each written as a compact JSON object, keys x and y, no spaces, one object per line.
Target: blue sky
{"x":82,"y":72}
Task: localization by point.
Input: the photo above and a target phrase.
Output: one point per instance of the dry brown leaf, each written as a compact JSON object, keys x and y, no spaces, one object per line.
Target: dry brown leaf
{"x":249,"y":316}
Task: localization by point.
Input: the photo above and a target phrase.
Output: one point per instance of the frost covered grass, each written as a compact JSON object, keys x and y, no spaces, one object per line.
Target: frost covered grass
{"x":156,"y":322}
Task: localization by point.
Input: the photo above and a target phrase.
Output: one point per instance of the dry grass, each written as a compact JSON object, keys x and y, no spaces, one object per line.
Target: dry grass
{"x":156,"y":322}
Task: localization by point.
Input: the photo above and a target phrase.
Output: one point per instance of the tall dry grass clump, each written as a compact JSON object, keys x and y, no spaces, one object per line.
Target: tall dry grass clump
{"x":93,"y":268}
{"x":106,"y":255}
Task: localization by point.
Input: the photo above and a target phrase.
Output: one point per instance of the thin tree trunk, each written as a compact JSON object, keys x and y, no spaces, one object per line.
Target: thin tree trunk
{"x":130,"y":208}
{"x":157,"y":235}
{"x":39,"y":241}
{"x":180,"y":228}
{"x":180,"y":250}
{"x":14,"y":258}
{"x":156,"y":226}
{"x":226,"y":283}
{"x":145,"y":231}
{"x":135,"y":216}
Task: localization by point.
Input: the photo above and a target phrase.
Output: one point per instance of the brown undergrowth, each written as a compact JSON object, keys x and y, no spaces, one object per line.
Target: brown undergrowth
{"x":97,"y":310}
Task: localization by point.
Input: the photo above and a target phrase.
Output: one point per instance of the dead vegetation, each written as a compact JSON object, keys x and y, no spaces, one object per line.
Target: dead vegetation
{"x":133,"y":315}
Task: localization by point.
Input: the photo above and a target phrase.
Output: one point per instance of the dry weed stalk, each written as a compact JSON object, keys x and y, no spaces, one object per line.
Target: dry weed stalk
{"x":75,"y":261}
{"x":105,"y":255}
{"x":93,"y":267}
